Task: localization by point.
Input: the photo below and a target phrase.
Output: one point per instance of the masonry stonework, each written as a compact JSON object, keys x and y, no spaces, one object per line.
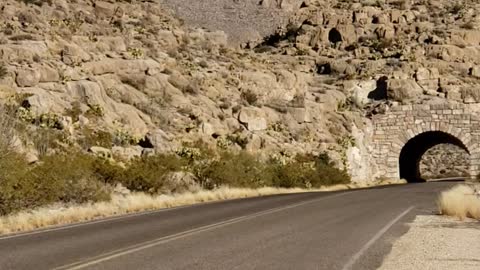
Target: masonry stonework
{"x":402,"y":123}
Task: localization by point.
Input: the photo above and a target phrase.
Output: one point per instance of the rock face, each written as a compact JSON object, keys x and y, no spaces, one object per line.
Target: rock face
{"x":443,"y":161}
{"x":253,"y":119}
{"x":284,"y":75}
{"x":245,"y":22}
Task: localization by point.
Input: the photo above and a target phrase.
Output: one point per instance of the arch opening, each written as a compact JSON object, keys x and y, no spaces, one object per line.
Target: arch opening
{"x":413,"y":151}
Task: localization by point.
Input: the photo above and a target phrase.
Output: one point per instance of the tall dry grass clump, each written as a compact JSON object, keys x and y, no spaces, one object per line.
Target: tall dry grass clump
{"x":461,"y":201}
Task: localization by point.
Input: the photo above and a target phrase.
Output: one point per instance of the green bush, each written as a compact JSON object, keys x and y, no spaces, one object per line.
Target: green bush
{"x":77,"y":177}
{"x":292,"y":175}
{"x":234,"y":169}
{"x":67,"y":178}
{"x":324,"y":171}
{"x":148,"y":173}
{"x":243,"y":169}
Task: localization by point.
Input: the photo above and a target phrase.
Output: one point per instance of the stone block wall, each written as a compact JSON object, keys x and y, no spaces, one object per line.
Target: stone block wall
{"x":400,"y":124}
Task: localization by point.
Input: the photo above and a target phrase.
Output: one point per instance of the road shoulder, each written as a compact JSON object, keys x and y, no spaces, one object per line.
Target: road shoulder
{"x":436,"y":242}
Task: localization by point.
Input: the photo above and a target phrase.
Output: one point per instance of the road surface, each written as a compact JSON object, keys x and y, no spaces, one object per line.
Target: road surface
{"x":335,"y":230}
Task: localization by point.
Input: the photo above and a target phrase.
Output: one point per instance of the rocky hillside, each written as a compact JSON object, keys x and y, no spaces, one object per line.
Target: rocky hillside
{"x":444,"y":160}
{"x":132,"y":78}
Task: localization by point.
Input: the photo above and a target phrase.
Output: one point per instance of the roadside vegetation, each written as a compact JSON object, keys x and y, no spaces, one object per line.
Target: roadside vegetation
{"x":461,"y":201}
{"x":76,"y":177}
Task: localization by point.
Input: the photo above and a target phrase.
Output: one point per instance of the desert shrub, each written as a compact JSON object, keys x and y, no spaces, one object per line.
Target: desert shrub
{"x":235,"y":170}
{"x":326,"y":175}
{"x":46,"y":140}
{"x":8,"y":126}
{"x":77,"y":177}
{"x":75,"y":111}
{"x":309,"y":171}
{"x":49,"y":182}
{"x":77,"y":184}
{"x":243,"y":169}
{"x":13,"y":191}
{"x":292,"y":175}
{"x":460,"y":201}
{"x":148,"y":173}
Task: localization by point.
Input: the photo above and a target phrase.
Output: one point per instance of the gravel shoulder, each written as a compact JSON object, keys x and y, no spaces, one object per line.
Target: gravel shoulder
{"x":436,"y":242}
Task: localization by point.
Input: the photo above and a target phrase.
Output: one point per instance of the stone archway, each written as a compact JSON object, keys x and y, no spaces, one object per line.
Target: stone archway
{"x":413,"y":151}
{"x":404,"y":133}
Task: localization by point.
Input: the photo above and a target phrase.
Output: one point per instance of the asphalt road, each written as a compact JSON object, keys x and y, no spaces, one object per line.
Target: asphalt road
{"x":334,"y":230}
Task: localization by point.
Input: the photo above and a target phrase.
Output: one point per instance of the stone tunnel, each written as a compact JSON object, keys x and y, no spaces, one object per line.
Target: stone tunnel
{"x":403,"y":134}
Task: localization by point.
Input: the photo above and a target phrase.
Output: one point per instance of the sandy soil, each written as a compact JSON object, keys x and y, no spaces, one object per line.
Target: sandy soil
{"x":437,"y":242}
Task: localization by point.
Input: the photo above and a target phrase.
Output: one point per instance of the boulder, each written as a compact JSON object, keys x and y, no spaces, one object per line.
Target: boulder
{"x":360,"y":91}
{"x":302,"y":115}
{"x":179,"y":182}
{"x":122,"y":66}
{"x":423,"y":74}
{"x":402,"y":90}
{"x":475,"y":71}
{"x":104,"y":9}
{"x":42,"y":101}
{"x":255,"y":143}
{"x":207,"y":129}
{"x":74,"y":55}
{"x":160,"y":140}
{"x":27,"y":77}
{"x":48,"y":74}
{"x":253,"y":118}
{"x":470,"y":94}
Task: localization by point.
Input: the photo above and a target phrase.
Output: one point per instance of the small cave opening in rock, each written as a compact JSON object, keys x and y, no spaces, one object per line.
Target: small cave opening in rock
{"x":334,"y":36}
{"x":146,"y":143}
{"x":380,"y":92}
{"x":324,"y":69}
{"x":422,"y":153}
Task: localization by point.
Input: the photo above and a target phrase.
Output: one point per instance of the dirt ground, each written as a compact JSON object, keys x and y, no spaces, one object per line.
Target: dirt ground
{"x":437,"y":242}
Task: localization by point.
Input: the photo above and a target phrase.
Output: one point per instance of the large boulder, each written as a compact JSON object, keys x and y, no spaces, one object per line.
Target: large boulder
{"x":301,"y":115}
{"x":253,"y":118}
{"x":48,"y":74}
{"x":402,"y":90}
{"x":27,"y":77}
{"x":160,"y":140}
{"x":179,"y":182}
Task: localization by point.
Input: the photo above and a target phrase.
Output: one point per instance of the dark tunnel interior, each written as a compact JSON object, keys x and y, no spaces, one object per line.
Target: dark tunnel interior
{"x":412,"y":152}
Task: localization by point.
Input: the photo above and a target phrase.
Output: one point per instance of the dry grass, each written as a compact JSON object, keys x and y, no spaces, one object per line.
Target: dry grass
{"x":59,"y":214}
{"x":461,"y":201}
{"x":122,"y":204}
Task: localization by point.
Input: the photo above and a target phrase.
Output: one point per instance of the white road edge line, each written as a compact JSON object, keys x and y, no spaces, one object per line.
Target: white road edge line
{"x":162,"y":240}
{"x":354,"y":259}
